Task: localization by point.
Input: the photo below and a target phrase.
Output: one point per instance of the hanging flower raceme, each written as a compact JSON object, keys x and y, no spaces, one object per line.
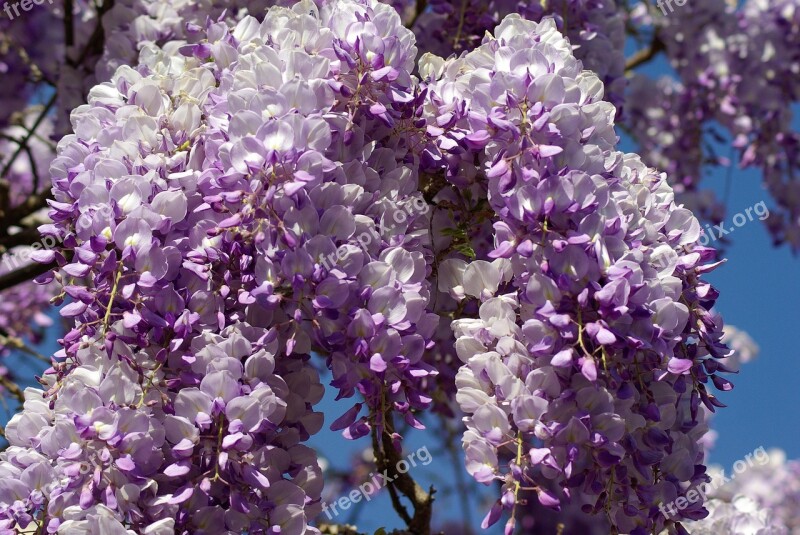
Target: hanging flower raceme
{"x":131,"y":24}
{"x":225,"y":208}
{"x":669,"y":135}
{"x":593,"y":346}
{"x":738,"y":70}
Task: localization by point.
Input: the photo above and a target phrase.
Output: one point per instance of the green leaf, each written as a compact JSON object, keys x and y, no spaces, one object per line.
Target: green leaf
{"x":467,"y":250}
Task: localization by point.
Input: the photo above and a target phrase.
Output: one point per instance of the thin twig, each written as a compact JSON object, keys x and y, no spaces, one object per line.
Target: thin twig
{"x":29,"y":134}
{"x":12,"y":388}
{"x":646,"y":54}
{"x":69,"y":26}
{"x":96,"y":41}
{"x":34,"y":169}
{"x":26,"y":236}
{"x":387,"y":458}
{"x":380,"y":463}
{"x":16,"y":342}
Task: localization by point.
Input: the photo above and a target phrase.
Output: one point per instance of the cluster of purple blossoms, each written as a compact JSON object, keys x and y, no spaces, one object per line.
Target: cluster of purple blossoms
{"x":131,"y":24}
{"x":668,"y":127}
{"x":739,"y":70}
{"x":595,"y":29}
{"x":119,"y":447}
{"x":761,"y":500}
{"x":594,"y":345}
{"x":253,"y":191}
{"x":226,"y":207}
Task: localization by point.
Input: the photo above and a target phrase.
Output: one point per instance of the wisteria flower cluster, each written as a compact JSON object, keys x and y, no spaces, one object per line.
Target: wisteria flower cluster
{"x":761,"y":500}
{"x":197,"y":199}
{"x":253,"y":190}
{"x":738,"y":70}
{"x":131,"y":24}
{"x":595,"y":29}
{"x":594,"y":344}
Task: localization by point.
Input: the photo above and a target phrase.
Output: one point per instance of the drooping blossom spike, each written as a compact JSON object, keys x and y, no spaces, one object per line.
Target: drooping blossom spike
{"x":738,"y":70}
{"x":221,"y":218}
{"x":592,"y":310}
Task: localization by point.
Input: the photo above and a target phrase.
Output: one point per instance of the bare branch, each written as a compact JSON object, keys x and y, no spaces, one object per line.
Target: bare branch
{"x":7,"y":339}
{"x":12,"y":388}
{"x":27,"y":236}
{"x":24,"y":274}
{"x":29,"y":135}
{"x":95,"y":44}
{"x":69,"y":25}
{"x":34,"y":169}
{"x":420,"y":8}
{"x":646,"y":54}
{"x":387,"y":458}
{"x":33,"y":203}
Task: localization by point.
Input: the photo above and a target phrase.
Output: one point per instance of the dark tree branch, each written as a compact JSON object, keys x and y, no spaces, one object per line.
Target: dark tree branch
{"x":646,"y":54}
{"x":97,"y":40}
{"x":420,"y":8}
{"x":387,"y":458}
{"x":26,"y":236}
{"x":12,"y":388}
{"x":381,"y":464}
{"x":34,"y":169}
{"x":24,"y":274}
{"x":16,"y":342}
{"x":29,"y":134}
{"x":33,"y":203}
{"x":69,"y":25}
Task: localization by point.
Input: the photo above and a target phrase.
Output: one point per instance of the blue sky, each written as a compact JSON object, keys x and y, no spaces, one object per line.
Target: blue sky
{"x":759,"y":293}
